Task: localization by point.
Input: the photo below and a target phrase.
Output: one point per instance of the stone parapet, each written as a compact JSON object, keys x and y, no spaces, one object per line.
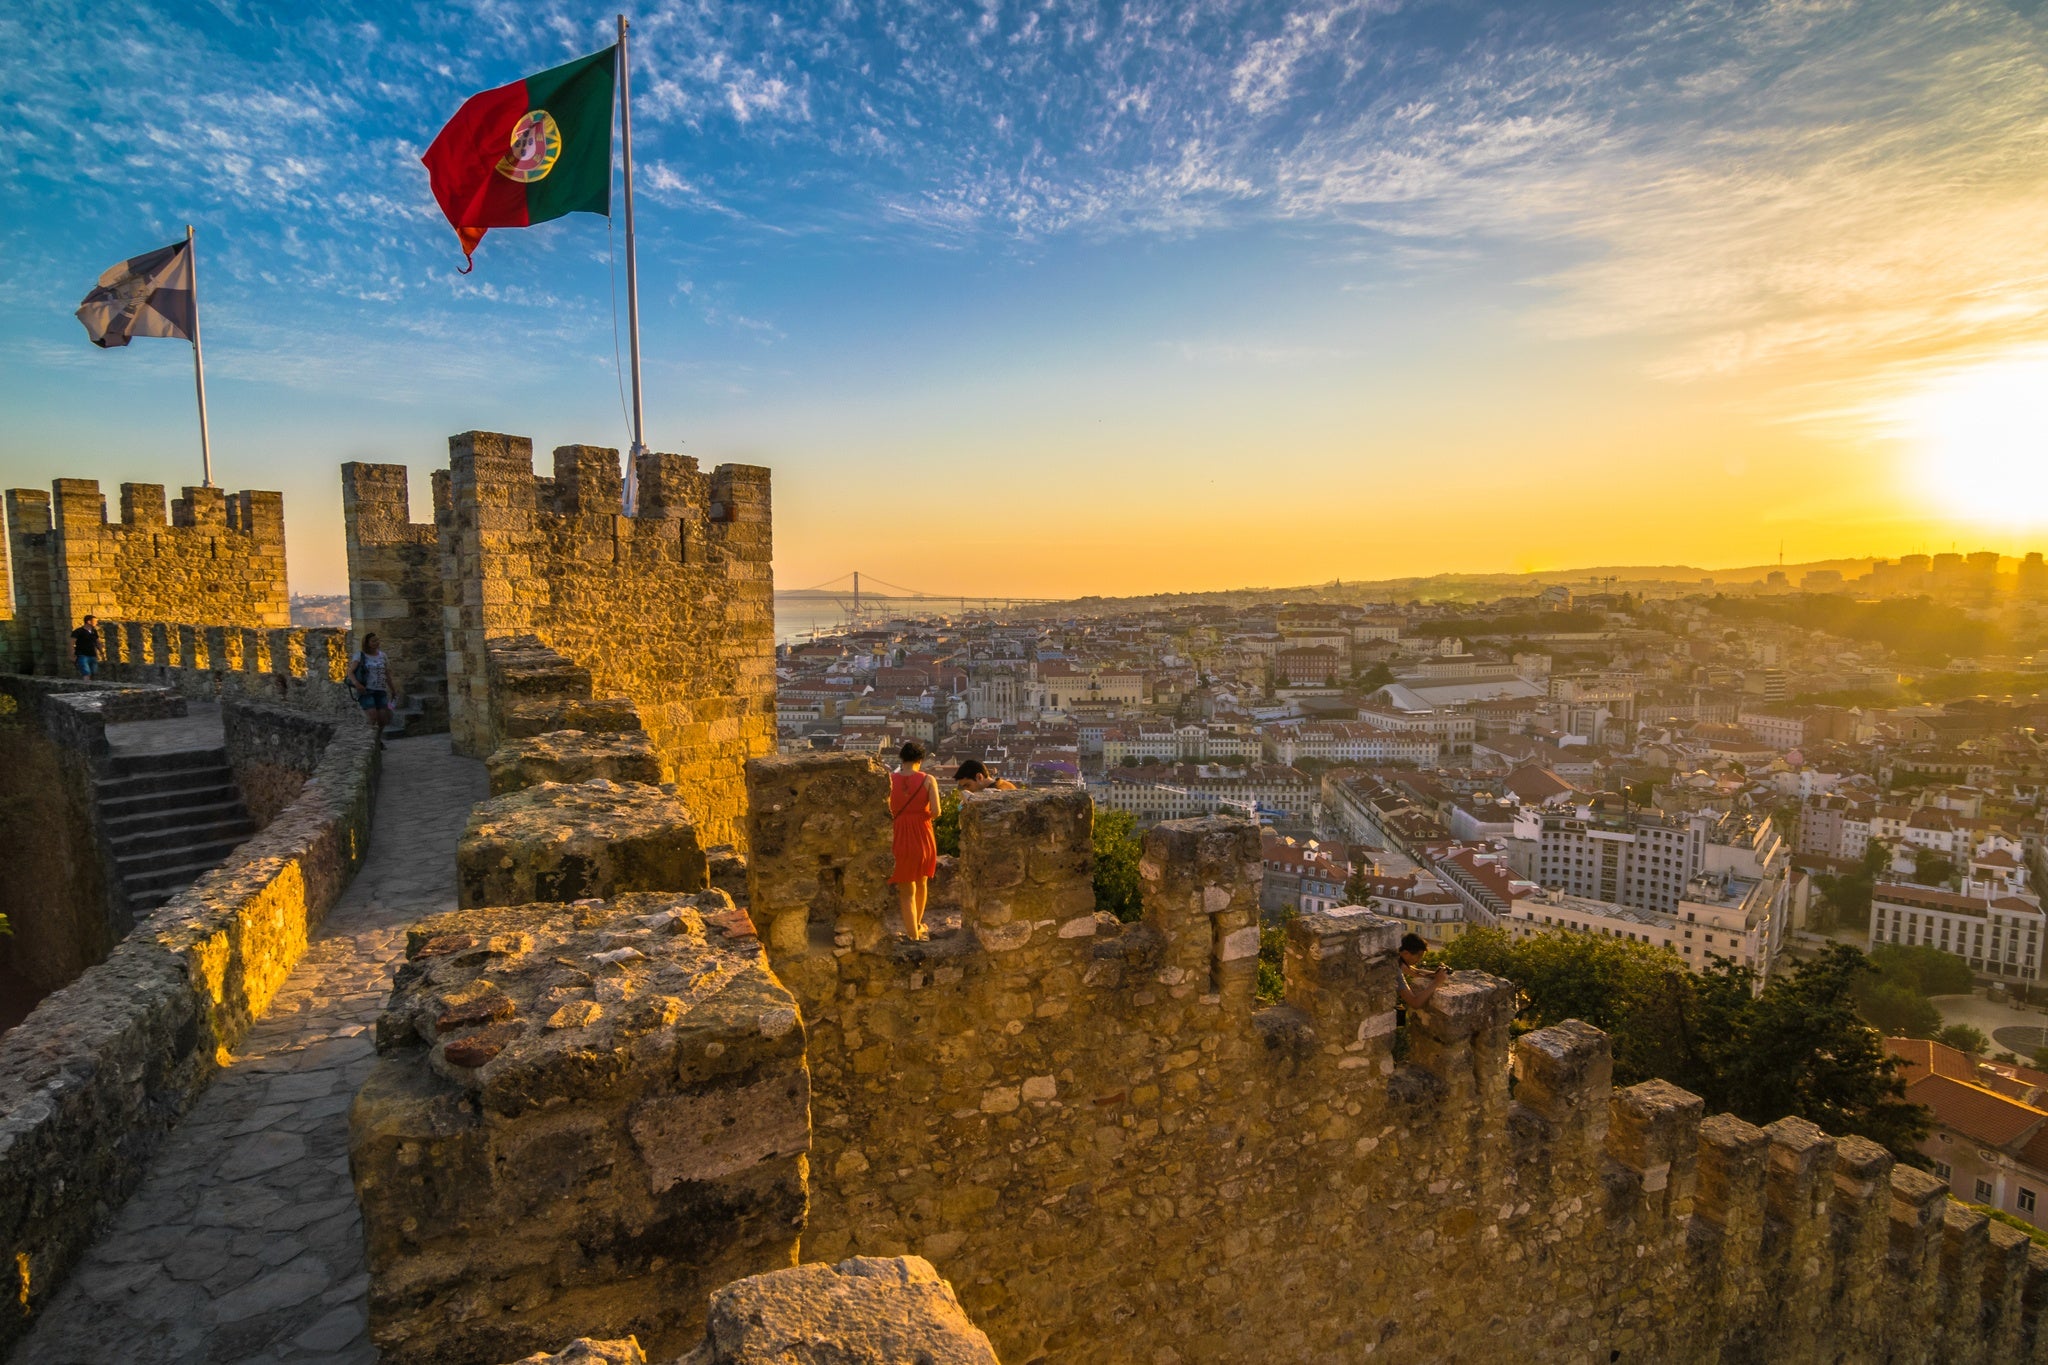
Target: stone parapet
{"x":303,"y":669}
{"x":561,"y":841}
{"x":586,"y":1117}
{"x":573,"y":756}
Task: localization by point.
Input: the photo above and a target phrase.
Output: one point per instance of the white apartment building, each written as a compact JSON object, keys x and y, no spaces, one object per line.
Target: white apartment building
{"x":1452,"y":730}
{"x":1998,"y":932}
{"x":1184,"y":792}
{"x":1349,"y":742}
{"x":1162,"y":742}
{"x":1641,"y":859}
{"x":1720,"y":916}
{"x":1780,"y":732}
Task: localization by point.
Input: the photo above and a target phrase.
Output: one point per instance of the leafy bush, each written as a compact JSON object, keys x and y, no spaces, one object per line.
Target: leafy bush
{"x":1964,"y":1038}
{"x":946,"y":829}
{"x":1272,"y":986}
{"x":1116,"y":864}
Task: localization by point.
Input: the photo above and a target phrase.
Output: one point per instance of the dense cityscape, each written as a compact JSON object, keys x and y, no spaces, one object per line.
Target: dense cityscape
{"x":1715,"y":773}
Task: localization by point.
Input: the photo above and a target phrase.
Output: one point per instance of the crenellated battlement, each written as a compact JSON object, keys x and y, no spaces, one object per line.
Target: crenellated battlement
{"x":671,"y":608}
{"x":208,"y":556}
{"x":1091,"y":1129}
{"x":304,"y":667}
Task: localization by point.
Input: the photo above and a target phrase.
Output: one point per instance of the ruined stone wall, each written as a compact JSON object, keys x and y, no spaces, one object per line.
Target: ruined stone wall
{"x":54,"y":886}
{"x":95,"y":1076}
{"x":394,"y":581}
{"x":214,"y":558}
{"x":1114,"y":1156}
{"x":672,"y":607}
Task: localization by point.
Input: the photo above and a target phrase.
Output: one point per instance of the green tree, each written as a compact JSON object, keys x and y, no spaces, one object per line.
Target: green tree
{"x":1964,"y":1038}
{"x":1117,"y":851}
{"x":2040,"y":1059}
{"x":946,"y":829}
{"x":1375,"y":677}
{"x":1929,"y":971}
{"x":1805,"y":1052}
{"x":1797,"y":1047}
{"x":1931,"y":868}
{"x":1897,"y":1011}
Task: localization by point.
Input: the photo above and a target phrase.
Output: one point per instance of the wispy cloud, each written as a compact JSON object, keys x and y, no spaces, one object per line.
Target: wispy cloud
{"x":1741,"y":183}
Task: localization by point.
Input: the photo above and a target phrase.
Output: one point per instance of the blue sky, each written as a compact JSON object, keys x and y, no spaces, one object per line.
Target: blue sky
{"x":1060,"y":297}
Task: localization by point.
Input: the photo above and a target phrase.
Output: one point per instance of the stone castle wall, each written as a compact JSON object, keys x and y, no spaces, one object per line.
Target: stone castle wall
{"x":96,"y":1075}
{"x":671,"y":609}
{"x":214,"y":558}
{"x":1114,"y":1156}
{"x":394,"y":578}
{"x":54,"y":890}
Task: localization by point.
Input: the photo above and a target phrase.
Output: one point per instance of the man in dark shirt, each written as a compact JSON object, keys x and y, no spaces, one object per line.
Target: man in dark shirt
{"x":85,"y":646}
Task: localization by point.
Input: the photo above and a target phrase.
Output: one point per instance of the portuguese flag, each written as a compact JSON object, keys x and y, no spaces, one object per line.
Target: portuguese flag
{"x":527,"y":152}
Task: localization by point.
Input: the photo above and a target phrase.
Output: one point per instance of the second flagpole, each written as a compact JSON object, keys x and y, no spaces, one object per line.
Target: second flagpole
{"x":199,"y":360}
{"x":632,"y":280}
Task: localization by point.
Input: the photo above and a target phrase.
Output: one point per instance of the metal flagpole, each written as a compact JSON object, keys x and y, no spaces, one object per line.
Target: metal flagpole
{"x":199,"y":361}
{"x":632,"y":281}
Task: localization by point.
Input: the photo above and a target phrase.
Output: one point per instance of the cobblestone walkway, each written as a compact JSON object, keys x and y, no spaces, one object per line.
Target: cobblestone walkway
{"x":243,"y":1242}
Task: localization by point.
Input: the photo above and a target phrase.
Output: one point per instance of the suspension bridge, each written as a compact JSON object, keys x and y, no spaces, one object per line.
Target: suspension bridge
{"x":856,"y":596}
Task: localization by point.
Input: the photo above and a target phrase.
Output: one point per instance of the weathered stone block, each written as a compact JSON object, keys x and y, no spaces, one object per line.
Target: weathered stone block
{"x":863,"y":1311}
{"x":564,"y":841}
{"x":573,"y":756}
{"x":585,"y":1118}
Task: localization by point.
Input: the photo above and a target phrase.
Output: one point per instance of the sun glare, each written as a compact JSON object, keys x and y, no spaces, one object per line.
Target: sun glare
{"x":1979,"y":438}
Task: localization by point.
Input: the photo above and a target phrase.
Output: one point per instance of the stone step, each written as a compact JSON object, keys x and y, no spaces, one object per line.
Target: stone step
{"x":163,"y":780}
{"x":156,"y":889}
{"x":170,"y":815}
{"x":151,"y":864}
{"x":236,"y":826}
{"x":168,"y":880}
{"x":127,"y":765}
{"x":180,"y":799}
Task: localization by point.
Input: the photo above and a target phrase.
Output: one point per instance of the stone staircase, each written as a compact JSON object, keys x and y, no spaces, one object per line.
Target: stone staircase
{"x":168,"y":819}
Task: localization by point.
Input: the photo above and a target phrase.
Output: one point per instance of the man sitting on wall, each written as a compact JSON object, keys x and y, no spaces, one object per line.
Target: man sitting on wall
{"x":85,"y":646}
{"x":974,"y":776}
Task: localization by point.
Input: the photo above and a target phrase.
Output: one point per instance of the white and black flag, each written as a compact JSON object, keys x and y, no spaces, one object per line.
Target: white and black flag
{"x":150,"y":295}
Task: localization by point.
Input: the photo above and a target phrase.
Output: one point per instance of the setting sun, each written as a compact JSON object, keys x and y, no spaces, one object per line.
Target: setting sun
{"x":1979,"y":438}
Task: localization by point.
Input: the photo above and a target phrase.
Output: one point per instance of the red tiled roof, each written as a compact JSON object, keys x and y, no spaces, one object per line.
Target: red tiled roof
{"x":1923,"y":1057}
{"x":1979,"y":1114}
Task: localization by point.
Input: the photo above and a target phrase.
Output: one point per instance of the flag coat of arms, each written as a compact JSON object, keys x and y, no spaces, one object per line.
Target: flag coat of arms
{"x":150,"y":295}
{"x":528,"y":152}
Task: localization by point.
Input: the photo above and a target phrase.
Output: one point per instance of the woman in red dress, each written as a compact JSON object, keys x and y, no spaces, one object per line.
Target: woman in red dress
{"x":913,"y":807}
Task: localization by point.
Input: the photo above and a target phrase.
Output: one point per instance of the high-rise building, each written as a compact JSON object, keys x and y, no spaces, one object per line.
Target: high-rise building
{"x":1636,"y":858}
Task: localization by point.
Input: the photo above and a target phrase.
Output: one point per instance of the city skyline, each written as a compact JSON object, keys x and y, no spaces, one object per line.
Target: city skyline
{"x":1098,"y":300}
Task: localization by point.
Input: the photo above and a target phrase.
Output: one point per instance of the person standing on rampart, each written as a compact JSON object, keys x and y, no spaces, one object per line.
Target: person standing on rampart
{"x":913,"y":810}
{"x":85,"y":646}
{"x":369,"y":678}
